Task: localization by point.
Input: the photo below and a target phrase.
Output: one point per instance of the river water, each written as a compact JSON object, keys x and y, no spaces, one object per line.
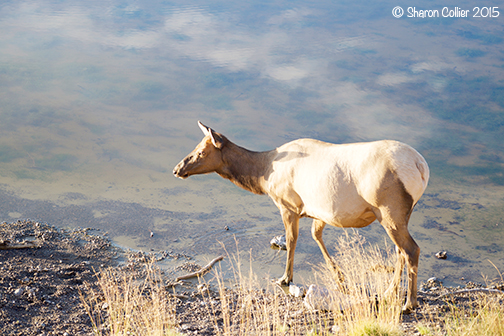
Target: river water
{"x":100,"y":100}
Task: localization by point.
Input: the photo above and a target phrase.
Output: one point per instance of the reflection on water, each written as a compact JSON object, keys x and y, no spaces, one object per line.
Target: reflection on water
{"x":100,"y":100}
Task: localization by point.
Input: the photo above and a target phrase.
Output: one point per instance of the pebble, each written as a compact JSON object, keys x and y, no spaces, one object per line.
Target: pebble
{"x":297,"y":291}
{"x":202,"y":287}
{"x":336,"y":329}
{"x":184,"y":327}
{"x":19,"y":291}
{"x":442,"y":255}
{"x":432,"y":284}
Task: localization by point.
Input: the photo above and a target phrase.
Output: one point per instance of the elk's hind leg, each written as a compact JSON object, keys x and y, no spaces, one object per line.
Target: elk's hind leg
{"x":409,"y":254}
{"x":395,"y":206}
{"x":317,"y":229}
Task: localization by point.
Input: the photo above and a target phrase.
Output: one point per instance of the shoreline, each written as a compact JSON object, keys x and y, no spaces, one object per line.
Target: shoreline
{"x":437,"y":225}
{"x":41,"y":287}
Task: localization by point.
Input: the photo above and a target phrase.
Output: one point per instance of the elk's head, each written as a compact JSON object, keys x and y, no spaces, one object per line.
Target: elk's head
{"x":205,"y":158}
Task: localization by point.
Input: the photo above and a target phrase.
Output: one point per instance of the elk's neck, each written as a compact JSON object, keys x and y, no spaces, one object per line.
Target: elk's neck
{"x":246,"y":169}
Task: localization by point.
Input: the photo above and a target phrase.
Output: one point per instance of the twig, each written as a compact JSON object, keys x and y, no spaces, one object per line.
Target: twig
{"x":496,"y":269}
{"x":201,"y":271}
{"x":472,"y":290}
{"x":179,"y":296}
{"x":7,"y":245}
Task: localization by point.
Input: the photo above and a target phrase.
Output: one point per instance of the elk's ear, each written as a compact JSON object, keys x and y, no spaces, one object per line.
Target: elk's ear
{"x":204,"y":129}
{"x":217,"y":139}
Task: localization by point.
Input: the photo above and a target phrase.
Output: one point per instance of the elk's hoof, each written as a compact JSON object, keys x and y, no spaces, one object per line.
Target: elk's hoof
{"x":408,"y":309}
{"x":283,"y":282}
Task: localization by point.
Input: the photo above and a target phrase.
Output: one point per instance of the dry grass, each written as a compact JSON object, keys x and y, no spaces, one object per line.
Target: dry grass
{"x":251,"y":309}
{"x":485,"y":318}
{"x":482,"y":315}
{"x":367,"y":271}
{"x":131,"y":305}
{"x":140,"y":305}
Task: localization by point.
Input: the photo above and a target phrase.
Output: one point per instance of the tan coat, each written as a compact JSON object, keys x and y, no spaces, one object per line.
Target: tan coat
{"x":347,"y":185}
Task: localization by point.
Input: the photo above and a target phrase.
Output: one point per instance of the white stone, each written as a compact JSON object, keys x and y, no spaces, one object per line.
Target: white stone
{"x":297,"y":291}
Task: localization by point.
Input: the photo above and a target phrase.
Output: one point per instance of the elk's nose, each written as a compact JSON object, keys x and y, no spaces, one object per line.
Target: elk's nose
{"x":176,"y":170}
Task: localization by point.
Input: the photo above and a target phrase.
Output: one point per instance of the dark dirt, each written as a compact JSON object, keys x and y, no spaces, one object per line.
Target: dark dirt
{"x":40,"y":288}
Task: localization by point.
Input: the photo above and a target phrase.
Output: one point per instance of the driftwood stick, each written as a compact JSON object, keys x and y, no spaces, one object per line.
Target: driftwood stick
{"x":7,"y":245}
{"x":472,"y":290}
{"x":179,"y":296}
{"x":201,"y":271}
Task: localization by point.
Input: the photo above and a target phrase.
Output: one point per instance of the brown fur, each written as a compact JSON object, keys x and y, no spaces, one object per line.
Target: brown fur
{"x":243,"y":167}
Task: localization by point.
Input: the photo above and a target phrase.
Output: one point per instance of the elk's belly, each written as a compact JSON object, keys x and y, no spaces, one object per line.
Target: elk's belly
{"x":362,"y":220}
{"x":345,"y":219}
{"x":343,"y":209}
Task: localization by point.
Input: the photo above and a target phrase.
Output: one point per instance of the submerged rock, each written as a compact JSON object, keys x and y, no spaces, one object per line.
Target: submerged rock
{"x":279,"y":243}
{"x":19,"y":291}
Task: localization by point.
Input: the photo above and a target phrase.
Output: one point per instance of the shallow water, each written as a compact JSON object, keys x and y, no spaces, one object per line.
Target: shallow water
{"x":99,"y":101}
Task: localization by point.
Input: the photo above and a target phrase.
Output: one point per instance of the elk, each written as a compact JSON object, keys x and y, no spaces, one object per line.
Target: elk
{"x":346,"y":185}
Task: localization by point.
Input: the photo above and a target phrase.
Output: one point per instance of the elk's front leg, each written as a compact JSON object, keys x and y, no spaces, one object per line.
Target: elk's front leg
{"x":291,"y":223}
{"x":317,"y":229}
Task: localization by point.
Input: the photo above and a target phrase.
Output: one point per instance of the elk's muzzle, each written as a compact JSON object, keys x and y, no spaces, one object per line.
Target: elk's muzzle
{"x":179,"y":171}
